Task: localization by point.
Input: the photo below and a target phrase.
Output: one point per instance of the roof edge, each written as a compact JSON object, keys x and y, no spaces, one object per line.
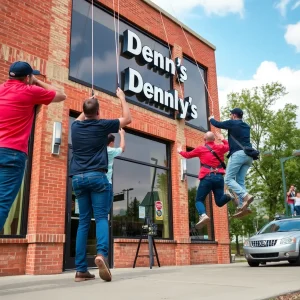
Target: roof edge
{"x":156,"y":7}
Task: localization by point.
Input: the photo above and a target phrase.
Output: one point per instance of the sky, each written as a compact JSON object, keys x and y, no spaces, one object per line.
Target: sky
{"x":257,"y":41}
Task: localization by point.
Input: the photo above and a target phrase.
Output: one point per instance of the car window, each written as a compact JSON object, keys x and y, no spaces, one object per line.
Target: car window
{"x":281,"y":226}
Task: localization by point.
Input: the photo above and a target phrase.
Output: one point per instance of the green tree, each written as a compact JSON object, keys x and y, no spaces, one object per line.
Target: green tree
{"x":274,"y":131}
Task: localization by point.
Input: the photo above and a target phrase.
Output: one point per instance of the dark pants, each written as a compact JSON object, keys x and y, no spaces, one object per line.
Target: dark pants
{"x":93,"y":193}
{"x":12,"y":166}
{"x":214,"y":183}
{"x":297,"y":210}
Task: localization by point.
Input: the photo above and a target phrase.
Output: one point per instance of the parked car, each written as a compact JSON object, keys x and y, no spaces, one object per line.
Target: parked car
{"x":277,"y":241}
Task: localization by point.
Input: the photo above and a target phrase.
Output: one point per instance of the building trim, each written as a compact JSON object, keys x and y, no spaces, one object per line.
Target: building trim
{"x":159,"y":9}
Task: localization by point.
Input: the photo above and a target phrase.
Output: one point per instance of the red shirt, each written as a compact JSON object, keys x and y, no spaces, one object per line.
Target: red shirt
{"x":17,"y":101}
{"x":207,"y":158}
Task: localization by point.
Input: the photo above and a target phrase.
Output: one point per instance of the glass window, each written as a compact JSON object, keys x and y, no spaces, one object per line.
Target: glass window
{"x":104,"y":52}
{"x":195,"y":88}
{"x":138,"y":190}
{"x":143,"y":149}
{"x":206,"y":233}
{"x":13,"y":222}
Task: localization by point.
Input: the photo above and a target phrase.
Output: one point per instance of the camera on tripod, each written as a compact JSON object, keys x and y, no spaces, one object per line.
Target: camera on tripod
{"x":151,"y":228}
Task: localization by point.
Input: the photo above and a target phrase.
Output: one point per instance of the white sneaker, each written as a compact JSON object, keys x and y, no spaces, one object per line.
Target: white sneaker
{"x":203,"y":220}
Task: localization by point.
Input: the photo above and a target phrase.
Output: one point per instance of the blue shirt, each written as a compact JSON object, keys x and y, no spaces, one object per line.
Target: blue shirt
{"x":89,"y":143}
{"x":112,"y":153}
{"x":239,"y":129}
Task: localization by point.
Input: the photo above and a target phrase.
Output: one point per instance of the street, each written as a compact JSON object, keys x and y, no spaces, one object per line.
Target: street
{"x":233,"y":281}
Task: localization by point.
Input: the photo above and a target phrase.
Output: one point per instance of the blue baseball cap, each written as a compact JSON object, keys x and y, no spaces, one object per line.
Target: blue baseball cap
{"x":21,"y":69}
{"x":237,"y":111}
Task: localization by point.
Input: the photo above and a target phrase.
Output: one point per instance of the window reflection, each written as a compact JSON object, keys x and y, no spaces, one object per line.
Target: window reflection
{"x":193,"y":165}
{"x":137,"y":191}
{"x":144,"y":150}
{"x":195,"y":88}
{"x":104,"y":51}
{"x":204,"y":233}
{"x":13,"y":222}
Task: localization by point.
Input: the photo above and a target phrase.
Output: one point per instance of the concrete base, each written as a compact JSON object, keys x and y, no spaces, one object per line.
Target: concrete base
{"x":234,"y":281}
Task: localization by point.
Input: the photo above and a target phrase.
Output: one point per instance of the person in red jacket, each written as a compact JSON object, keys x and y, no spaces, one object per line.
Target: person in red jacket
{"x":211,"y":174}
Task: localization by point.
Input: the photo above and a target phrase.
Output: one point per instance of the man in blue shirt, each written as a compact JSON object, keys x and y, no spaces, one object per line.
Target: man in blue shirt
{"x":239,"y":162}
{"x":88,"y":170}
{"x":113,"y":152}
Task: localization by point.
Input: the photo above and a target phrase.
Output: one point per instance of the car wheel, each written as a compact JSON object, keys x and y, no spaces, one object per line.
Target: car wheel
{"x":295,"y":262}
{"x":253,"y":263}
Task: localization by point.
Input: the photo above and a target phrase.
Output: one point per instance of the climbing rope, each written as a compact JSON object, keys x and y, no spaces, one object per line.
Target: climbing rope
{"x":92,"y":48}
{"x":194,"y":57}
{"x":117,"y":35}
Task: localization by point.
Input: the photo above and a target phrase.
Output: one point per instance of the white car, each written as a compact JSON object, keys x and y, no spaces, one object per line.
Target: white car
{"x":277,"y":241}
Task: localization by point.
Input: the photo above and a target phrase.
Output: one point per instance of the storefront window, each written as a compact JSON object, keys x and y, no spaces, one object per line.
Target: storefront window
{"x":195,"y":88}
{"x":206,"y":233}
{"x":105,"y":54}
{"x":16,"y":222}
{"x":140,"y":183}
{"x":13,"y":224}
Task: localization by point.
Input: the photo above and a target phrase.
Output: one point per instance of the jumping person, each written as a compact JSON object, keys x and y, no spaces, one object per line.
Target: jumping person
{"x":88,"y":169}
{"x":18,"y":97}
{"x":113,"y":152}
{"x":210,"y":175}
{"x":239,"y":163}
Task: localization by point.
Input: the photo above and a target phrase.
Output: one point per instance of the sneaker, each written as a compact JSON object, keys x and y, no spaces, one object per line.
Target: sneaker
{"x":247,"y":200}
{"x":102,"y":264}
{"x":203,"y":220}
{"x":242,"y":212}
{"x":83,"y":276}
{"x":232,"y":197}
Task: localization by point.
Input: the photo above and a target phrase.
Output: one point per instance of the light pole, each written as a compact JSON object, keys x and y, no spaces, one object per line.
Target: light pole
{"x":127,"y":196}
{"x":282,"y":161}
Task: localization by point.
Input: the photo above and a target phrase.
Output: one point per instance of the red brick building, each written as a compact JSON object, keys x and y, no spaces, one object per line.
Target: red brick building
{"x":55,"y":37}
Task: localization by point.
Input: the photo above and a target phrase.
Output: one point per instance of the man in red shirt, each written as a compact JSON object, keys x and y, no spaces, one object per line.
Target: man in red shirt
{"x":210,"y":175}
{"x":18,"y":97}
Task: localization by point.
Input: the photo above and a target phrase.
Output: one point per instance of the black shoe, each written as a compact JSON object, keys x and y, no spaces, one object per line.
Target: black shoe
{"x":83,"y":276}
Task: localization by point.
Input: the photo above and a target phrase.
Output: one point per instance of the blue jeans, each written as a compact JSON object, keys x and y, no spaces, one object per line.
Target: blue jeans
{"x":93,"y":193}
{"x":111,"y":195}
{"x":12,"y":166}
{"x":237,"y":168}
{"x":292,"y":208}
{"x":215,"y":183}
{"x":297,"y":210}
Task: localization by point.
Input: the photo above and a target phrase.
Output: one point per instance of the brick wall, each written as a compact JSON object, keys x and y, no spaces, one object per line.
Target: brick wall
{"x":43,"y":39}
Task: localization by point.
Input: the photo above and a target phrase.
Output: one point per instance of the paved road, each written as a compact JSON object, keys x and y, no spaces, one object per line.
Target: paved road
{"x":234,"y":281}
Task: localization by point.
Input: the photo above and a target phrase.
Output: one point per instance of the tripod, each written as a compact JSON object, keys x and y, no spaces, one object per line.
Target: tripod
{"x":149,"y":230}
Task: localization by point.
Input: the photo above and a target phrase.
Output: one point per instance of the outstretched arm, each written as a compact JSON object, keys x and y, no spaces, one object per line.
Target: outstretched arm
{"x":126,"y":116}
{"x":223,"y":125}
{"x":122,"y":139}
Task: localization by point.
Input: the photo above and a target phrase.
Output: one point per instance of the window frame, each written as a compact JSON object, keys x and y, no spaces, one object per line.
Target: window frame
{"x":110,"y":12}
{"x":169,"y":185}
{"x":205,"y":70}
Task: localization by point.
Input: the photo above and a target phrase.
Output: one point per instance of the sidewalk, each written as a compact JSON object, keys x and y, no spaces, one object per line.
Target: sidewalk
{"x":234,"y":281}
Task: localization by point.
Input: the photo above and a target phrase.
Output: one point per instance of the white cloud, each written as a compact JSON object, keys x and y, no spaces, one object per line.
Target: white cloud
{"x":180,"y":8}
{"x":297,"y":4}
{"x":292,"y":35}
{"x":267,"y":72}
{"x":282,"y":5}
